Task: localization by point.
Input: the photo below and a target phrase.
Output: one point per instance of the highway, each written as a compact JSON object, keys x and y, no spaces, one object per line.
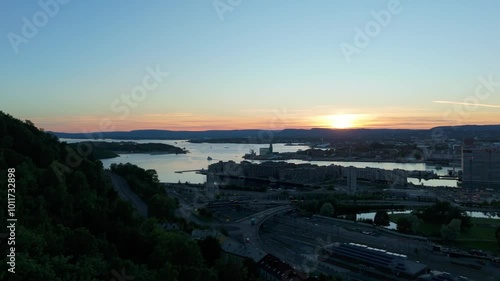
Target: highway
{"x":296,"y":239}
{"x":123,"y":189}
{"x":241,"y":230}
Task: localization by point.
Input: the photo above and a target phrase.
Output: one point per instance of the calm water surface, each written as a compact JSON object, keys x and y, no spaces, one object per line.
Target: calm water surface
{"x":167,"y":164}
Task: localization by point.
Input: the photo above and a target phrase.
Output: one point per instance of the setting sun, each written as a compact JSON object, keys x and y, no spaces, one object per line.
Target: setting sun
{"x":343,"y":121}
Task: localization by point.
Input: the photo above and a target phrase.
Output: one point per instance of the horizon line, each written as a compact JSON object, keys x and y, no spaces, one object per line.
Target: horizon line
{"x":270,"y":130}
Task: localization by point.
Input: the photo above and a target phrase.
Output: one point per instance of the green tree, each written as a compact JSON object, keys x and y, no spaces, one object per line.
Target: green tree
{"x":443,"y":213}
{"x":162,"y":207}
{"x":382,"y":218}
{"x":310,"y":206}
{"x":404,"y":225}
{"x":497,"y":235}
{"x":408,"y":224}
{"x":231,"y":271}
{"x":326,"y":209}
{"x":167,"y":272}
{"x":414,"y":222}
{"x":451,"y":232}
{"x":81,"y":242}
{"x":210,"y":250}
{"x":76,"y":227}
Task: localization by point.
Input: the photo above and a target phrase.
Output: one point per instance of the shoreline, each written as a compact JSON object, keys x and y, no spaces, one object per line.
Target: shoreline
{"x":120,"y":153}
{"x":334,"y":160}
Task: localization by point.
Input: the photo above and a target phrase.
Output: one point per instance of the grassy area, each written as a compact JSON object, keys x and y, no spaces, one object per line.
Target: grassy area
{"x":480,"y":245}
{"x":394,"y":217}
{"x":493,"y":222}
{"x":483,"y":228}
{"x":482,"y":233}
{"x":428,"y":229}
{"x":485,"y":232}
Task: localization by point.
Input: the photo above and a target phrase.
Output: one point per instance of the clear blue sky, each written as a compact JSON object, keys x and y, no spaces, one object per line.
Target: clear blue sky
{"x":265,"y":64}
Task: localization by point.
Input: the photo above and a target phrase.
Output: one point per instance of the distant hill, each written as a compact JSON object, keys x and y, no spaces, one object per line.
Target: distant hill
{"x":288,"y":135}
{"x":159,"y":134}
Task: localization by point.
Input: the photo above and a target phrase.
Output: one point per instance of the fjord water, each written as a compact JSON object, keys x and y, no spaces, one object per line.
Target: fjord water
{"x":167,"y":164}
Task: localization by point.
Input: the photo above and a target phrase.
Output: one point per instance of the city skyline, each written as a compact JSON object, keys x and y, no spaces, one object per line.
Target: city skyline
{"x":202,"y":65}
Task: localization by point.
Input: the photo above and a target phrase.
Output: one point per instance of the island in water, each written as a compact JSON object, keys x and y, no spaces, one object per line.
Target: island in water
{"x":106,"y":150}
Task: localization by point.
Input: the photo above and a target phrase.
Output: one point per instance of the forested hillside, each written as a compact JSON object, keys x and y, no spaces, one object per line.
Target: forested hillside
{"x":71,"y":225}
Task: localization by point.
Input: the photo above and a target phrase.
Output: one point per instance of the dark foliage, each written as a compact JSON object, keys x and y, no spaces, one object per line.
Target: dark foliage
{"x":381,"y":218}
{"x":404,"y":225}
{"x":102,"y":150}
{"x":497,"y":235}
{"x":443,"y":213}
{"x":210,"y":250}
{"x":71,"y":223}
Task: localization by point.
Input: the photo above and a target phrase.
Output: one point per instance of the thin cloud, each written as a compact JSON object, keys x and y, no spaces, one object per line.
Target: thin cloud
{"x":467,"y":103}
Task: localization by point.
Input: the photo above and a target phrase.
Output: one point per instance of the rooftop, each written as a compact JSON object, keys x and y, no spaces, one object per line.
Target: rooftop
{"x":378,"y":258}
{"x":280,"y":269}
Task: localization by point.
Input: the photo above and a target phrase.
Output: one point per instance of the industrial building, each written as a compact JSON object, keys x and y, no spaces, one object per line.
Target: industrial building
{"x":307,"y":173}
{"x":266,"y":151}
{"x":481,"y":167}
{"x":272,"y":268}
{"x":375,"y":262}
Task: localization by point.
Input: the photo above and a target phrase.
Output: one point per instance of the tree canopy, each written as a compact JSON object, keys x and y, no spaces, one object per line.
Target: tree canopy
{"x":443,"y":213}
{"x":72,"y":224}
{"x":381,"y":218}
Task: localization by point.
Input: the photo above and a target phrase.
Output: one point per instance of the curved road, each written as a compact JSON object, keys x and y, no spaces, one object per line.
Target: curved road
{"x":123,"y":189}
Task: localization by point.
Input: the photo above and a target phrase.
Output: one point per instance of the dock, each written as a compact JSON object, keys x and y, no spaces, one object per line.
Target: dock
{"x":189,"y":171}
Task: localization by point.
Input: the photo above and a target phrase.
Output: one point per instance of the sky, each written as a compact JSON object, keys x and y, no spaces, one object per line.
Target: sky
{"x":79,"y":66}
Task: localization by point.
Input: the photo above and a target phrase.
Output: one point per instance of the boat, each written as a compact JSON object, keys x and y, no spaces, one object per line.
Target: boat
{"x":209,"y":158}
{"x":439,"y":168}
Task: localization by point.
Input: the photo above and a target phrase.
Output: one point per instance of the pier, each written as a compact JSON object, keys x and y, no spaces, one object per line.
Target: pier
{"x":190,"y":171}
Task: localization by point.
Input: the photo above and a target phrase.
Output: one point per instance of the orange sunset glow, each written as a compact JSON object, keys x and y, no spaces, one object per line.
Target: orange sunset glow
{"x":268,"y":120}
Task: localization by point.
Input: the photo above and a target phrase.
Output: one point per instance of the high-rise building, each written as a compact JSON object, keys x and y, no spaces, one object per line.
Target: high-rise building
{"x":211,"y":189}
{"x":481,"y":167}
{"x":351,"y":180}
